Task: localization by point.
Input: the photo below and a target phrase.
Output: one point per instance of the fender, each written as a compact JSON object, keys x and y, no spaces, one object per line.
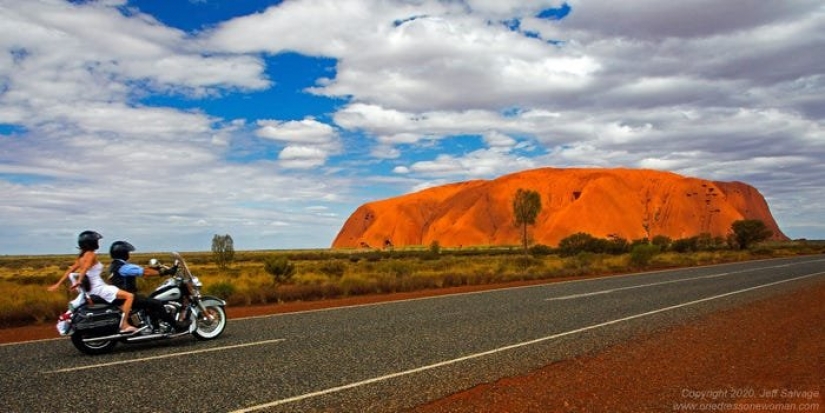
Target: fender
{"x":210,"y":300}
{"x":205,"y":301}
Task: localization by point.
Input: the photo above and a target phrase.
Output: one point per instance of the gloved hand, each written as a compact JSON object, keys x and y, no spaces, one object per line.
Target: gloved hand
{"x":169,"y":271}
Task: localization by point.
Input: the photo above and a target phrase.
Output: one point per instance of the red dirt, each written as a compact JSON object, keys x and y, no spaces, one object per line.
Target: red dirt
{"x":765,"y":356}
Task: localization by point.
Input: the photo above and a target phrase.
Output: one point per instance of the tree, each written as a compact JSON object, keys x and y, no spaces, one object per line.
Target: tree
{"x":526,"y":208}
{"x":747,"y":232}
{"x":223,"y":250}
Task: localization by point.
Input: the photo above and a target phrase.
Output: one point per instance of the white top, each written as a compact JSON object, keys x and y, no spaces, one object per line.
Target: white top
{"x":98,"y":286}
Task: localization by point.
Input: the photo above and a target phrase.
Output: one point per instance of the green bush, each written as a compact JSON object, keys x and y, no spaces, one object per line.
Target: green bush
{"x":221,"y":289}
{"x":642,"y":254}
{"x":540,"y":250}
{"x":279,"y":268}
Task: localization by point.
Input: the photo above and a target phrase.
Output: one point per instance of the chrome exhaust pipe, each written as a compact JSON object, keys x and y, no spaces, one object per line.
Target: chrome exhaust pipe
{"x":115,"y":336}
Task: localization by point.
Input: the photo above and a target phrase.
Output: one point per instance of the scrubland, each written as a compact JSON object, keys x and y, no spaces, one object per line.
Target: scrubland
{"x":322,"y":274}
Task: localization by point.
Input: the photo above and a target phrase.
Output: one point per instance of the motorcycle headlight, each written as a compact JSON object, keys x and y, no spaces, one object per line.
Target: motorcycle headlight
{"x":196,"y":282}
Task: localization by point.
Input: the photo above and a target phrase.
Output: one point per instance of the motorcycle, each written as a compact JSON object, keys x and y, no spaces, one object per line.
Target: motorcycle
{"x":95,"y":328}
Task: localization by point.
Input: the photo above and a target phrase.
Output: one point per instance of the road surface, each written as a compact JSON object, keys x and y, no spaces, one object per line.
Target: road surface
{"x":383,"y":357}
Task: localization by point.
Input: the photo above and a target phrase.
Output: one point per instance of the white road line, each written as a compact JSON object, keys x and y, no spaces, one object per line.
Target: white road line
{"x":506,"y":348}
{"x":574,"y":296}
{"x":164,"y":356}
{"x":632,"y":287}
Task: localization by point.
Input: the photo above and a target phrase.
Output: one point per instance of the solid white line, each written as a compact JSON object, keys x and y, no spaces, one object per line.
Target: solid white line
{"x":185,"y":353}
{"x":506,"y":348}
{"x":722,"y":274}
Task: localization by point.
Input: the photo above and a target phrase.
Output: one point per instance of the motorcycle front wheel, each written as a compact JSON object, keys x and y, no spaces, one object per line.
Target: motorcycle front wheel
{"x":92,"y":347}
{"x":207,"y":329}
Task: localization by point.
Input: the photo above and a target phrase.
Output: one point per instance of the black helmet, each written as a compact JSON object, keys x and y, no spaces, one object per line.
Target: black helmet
{"x":120,"y":250}
{"x":87,"y":240}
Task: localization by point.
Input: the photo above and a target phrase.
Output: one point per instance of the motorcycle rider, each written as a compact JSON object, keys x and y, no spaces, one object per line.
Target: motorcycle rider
{"x":124,"y":275}
{"x":88,"y":269}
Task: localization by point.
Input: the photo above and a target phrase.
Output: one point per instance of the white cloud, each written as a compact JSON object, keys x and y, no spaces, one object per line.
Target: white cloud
{"x":307,"y":131}
{"x":309,"y":142}
{"x":721,"y":90}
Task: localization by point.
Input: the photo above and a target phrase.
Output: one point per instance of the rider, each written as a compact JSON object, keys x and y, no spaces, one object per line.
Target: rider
{"x":87,"y":270}
{"x":124,"y":275}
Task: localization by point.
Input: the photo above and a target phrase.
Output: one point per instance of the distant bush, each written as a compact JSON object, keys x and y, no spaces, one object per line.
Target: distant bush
{"x":279,"y":268}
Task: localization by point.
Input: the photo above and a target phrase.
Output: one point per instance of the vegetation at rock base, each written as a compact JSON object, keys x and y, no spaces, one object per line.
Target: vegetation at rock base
{"x":263,"y":277}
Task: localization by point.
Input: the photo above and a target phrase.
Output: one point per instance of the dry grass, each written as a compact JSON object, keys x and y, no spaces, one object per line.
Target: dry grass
{"x":322,"y":274}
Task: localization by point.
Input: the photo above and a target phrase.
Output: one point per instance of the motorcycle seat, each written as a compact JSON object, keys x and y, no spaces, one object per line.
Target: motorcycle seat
{"x":100,"y":302}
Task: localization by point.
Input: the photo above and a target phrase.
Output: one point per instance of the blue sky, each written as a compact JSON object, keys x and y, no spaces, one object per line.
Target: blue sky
{"x":165,"y":122}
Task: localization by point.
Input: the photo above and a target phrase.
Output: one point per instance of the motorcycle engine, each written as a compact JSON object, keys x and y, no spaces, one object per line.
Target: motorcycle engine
{"x":172,"y":308}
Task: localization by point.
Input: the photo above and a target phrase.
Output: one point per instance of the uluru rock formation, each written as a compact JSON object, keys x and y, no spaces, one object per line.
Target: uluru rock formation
{"x":626,"y":203}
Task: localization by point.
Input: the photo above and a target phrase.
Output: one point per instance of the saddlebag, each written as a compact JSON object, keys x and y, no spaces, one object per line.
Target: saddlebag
{"x":97,"y":319}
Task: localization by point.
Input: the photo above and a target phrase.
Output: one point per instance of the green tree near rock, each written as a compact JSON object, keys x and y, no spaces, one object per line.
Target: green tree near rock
{"x":526,"y":208}
{"x":747,"y":232}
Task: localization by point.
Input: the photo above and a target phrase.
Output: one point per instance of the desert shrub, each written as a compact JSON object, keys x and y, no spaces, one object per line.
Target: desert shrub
{"x":279,"y":268}
{"x":684,"y":245}
{"x":524,"y":263}
{"x":582,"y":242}
{"x":580,"y":263}
{"x":540,"y":250}
{"x":399,"y":268}
{"x":642,"y":254}
{"x":435,"y":248}
{"x":333,"y":268}
{"x":306,"y":292}
{"x":418,"y":282}
{"x":615,"y":246}
{"x":373,"y":256}
{"x":761,"y":251}
{"x":221,"y":289}
{"x":356,"y":285}
{"x":662,"y":241}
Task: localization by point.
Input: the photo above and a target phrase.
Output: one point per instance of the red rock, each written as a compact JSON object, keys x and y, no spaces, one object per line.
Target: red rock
{"x":626,"y":203}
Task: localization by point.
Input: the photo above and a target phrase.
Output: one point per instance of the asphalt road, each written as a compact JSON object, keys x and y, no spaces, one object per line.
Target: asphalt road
{"x":382,"y":357}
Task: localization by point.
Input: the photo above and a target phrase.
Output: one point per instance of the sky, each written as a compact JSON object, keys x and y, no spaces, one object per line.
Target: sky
{"x":166,"y":122}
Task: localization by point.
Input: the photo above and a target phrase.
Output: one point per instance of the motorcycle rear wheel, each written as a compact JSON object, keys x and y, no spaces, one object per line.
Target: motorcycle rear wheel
{"x":92,"y":347}
{"x":206,"y":329}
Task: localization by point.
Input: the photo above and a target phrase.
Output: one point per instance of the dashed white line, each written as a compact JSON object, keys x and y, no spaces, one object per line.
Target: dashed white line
{"x":185,"y":353}
{"x":632,"y":287}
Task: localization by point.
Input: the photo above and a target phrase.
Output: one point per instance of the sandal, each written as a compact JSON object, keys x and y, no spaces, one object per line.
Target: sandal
{"x":128,"y":330}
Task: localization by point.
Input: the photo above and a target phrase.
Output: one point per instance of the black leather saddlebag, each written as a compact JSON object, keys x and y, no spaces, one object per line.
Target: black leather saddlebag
{"x":97,"y":320}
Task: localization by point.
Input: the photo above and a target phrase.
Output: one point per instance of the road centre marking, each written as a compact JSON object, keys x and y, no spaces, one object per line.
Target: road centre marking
{"x":185,"y":353}
{"x":632,"y":287}
{"x":507,"y":348}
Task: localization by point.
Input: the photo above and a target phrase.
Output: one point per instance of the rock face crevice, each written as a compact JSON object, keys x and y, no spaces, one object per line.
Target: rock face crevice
{"x":626,"y":203}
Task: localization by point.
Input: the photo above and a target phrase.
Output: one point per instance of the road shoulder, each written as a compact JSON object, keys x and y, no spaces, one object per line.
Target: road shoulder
{"x":767,"y":355}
